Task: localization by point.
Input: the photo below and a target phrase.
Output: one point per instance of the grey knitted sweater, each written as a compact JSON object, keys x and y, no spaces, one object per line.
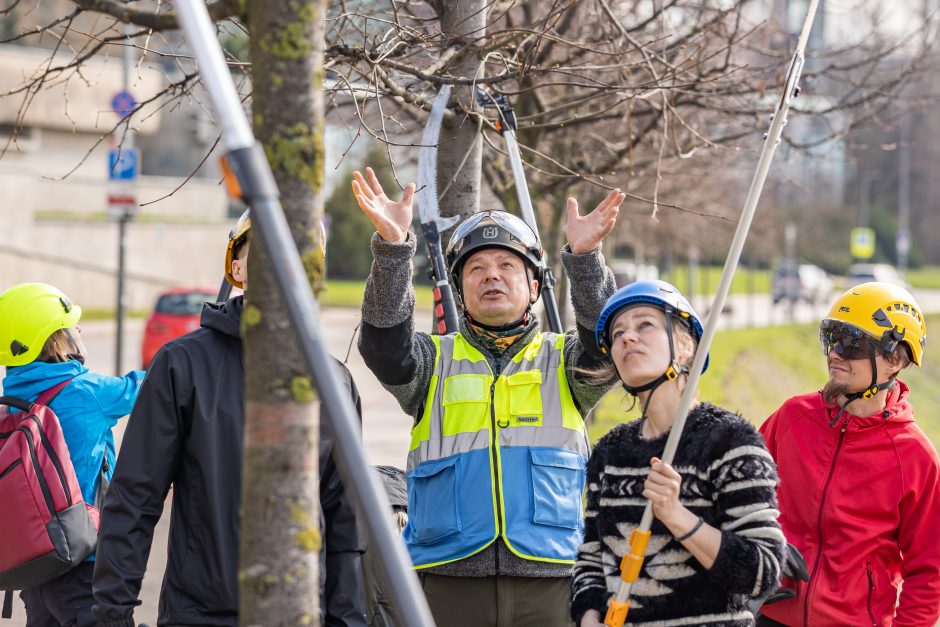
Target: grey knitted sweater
{"x":403,"y":361}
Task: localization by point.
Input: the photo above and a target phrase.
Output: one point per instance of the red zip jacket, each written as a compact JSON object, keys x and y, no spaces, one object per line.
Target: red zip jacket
{"x":861,"y":501}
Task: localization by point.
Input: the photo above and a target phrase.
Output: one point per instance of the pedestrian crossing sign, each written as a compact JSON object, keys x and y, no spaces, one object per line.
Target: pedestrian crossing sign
{"x":863,"y":243}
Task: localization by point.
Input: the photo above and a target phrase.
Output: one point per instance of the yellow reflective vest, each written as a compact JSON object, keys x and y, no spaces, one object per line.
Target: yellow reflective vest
{"x":497,"y":454}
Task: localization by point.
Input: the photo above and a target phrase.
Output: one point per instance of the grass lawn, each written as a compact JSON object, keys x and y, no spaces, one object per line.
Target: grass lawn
{"x":753,"y":371}
{"x":927,"y":277}
{"x":349,"y":294}
{"x":745,"y":281}
{"x":342,"y":293}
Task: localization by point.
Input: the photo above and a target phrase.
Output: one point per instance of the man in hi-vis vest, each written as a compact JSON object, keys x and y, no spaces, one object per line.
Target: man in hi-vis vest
{"x":498,"y":449}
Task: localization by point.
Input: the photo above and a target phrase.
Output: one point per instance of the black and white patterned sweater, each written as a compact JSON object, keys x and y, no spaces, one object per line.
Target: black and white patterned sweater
{"x":728,"y":478}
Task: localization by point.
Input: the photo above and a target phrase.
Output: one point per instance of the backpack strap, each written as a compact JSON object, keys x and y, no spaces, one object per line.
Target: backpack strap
{"x":8,"y":604}
{"x":103,"y":482}
{"x":49,"y":395}
{"x":44,"y":399}
{"x":16,"y":403}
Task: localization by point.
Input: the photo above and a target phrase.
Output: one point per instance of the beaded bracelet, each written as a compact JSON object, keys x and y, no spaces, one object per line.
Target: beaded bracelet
{"x":692,"y":531}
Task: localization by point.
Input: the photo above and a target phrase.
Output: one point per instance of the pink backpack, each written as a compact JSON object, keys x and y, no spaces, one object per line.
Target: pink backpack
{"x":46,"y":526}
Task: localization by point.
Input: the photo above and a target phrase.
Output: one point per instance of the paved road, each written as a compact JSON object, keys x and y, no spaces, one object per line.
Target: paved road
{"x":385,"y":426}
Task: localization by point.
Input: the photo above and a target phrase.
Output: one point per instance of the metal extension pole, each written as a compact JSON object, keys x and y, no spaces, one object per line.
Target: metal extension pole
{"x":620,"y":603}
{"x":246,"y":157}
{"x":507,"y":127}
{"x":528,"y":214}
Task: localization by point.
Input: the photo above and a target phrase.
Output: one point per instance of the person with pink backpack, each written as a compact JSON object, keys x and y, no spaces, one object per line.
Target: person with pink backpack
{"x":51,"y":398}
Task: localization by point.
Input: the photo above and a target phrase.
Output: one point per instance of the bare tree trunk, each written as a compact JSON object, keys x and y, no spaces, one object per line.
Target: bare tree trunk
{"x":459,"y":155}
{"x":279,"y":578}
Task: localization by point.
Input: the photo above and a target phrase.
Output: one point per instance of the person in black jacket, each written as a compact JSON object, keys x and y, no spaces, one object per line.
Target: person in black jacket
{"x":186,"y":431}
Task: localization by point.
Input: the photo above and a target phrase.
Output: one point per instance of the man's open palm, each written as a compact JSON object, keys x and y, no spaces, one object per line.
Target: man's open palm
{"x":390,"y":218}
{"x":585,"y":233}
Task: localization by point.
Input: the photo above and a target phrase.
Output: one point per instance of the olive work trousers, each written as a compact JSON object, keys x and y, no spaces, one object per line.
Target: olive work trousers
{"x":498,"y":601}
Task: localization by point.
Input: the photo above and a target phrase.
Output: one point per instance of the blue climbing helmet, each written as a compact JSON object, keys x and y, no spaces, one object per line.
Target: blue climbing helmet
{"x":650,"y":292}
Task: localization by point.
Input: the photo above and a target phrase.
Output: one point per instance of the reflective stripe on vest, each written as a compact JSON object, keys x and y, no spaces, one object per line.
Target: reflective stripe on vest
{"x":538,"y":464}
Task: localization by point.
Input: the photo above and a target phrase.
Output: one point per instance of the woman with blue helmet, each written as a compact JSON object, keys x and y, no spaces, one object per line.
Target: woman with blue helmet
{"x":715,"y":540}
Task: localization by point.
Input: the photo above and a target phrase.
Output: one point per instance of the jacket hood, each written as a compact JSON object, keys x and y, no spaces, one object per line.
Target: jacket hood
{"x":223,"y":317}
{"x":897,"y":409}
{"x":31,"y":380}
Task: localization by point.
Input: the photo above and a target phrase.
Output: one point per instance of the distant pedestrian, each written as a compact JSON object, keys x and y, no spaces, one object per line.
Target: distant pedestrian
{"x":187,"y":432}
{"x":859,"y":481}
{"x":41,"y":346}
{"x":715,"y":540}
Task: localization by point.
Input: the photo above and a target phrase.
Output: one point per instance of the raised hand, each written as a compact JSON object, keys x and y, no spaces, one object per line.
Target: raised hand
{"x":390,"y":218}
{"x":585,"y":233}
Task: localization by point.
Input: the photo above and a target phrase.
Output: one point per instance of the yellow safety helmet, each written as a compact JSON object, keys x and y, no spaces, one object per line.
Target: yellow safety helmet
{"x":241,"y":232}
{"x":234,"y":241}
{"x":29,"y":314}
{"x":887,"y":313}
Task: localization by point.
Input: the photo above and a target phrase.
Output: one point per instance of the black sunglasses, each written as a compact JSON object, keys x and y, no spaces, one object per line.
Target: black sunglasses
{"x":848,"y":342}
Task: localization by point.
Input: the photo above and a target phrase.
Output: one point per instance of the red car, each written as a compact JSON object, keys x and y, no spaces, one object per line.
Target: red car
{"x":176,"y":313}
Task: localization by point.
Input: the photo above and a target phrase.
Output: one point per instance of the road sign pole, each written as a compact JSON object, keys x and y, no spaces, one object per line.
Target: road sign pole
{"x":123,"y":105}
{"x":121,"y":300}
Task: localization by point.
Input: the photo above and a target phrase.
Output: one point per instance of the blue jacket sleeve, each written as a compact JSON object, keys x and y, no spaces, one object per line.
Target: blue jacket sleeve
{"x":116,"y":395}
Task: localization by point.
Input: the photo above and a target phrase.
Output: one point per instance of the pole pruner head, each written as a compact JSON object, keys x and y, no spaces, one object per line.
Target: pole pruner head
{"x":506,"y":121}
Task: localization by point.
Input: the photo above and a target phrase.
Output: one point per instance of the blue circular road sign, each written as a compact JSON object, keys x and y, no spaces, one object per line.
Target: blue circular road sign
{"x":123,"y":103}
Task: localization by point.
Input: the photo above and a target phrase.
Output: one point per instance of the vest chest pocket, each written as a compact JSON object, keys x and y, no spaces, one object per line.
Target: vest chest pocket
{"x":557,"y":483}
{"x":434,"y":500}
{"x":465,"y":400}
{"x":525,"y":398}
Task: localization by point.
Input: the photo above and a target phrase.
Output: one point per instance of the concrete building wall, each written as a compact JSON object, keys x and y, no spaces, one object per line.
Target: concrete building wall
{"x":57,"y":232}
{"x":54,"y":189}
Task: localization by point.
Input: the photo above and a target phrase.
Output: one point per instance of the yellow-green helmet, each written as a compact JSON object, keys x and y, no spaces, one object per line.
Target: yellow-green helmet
{"x":29,"y":314}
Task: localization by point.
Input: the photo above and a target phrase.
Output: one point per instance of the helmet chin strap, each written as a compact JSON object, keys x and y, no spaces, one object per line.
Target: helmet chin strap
{"x":868,"y":392}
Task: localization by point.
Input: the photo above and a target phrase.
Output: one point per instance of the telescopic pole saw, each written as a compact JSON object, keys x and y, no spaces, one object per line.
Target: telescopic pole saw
{"x":506,"y":125}
{"x":639,"y":537}
{"x":246,"y":159}
{"x":432,"y":222}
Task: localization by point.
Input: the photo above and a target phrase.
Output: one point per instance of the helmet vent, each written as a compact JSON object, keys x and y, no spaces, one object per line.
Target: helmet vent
{"x":881,"y":319}
{"x":18,"y":348}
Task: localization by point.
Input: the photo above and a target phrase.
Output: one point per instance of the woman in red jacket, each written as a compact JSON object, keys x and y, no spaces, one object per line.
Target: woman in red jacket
{"x":859,"y":486}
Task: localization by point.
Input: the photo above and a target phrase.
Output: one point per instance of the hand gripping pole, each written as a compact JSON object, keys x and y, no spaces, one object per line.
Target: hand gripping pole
{"x":620,"y":603}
